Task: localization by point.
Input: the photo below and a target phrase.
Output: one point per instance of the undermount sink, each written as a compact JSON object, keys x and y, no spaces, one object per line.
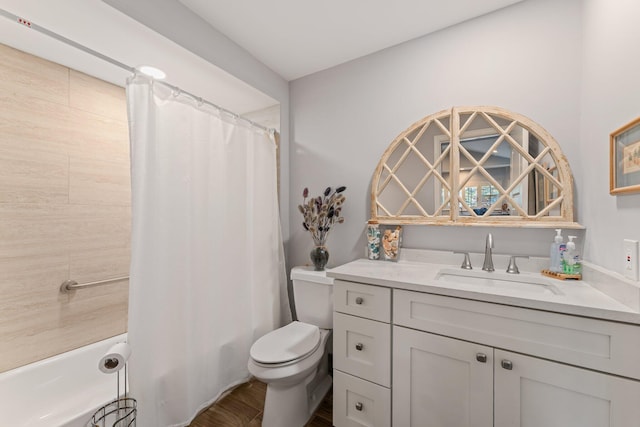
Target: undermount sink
{"x":527,"y":283}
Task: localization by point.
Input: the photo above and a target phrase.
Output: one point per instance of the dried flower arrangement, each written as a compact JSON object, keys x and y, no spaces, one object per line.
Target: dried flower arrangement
{"x":320,"y":213}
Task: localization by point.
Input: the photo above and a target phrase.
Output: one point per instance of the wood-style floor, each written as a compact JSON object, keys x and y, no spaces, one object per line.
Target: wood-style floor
{"x":243,"y":407}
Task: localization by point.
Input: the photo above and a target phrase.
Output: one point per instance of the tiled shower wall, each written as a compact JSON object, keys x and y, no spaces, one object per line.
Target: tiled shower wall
{"x":64,"y":208}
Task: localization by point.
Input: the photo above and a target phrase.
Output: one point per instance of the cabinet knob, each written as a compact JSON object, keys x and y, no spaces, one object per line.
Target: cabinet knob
{"x":507,"y":364}
{"x":359,"y":346}
{"x":481,"y":357}
{"x":359,"y":300}
{"x":359,"y":406}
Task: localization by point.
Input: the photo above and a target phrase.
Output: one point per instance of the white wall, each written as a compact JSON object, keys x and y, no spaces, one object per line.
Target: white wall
{"x":526,"y":58}
{"x":611,"y":98}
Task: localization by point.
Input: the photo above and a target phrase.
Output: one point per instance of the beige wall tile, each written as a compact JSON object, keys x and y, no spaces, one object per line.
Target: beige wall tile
{"x":90,"y":308}
{"x":36,"y":123}
{"x":32,"y":176}
{"x":33,"y":229}
{"x":96,"y":96}
{"x":99,"y":182}
{"x":98,"y":138}
{"x":56,"y":329}
{"x":29,"y":283}
{"x":26,"y":76}
{"x":98,"y":227}
{"x":64,"y":209}
{"x":52,"y":128}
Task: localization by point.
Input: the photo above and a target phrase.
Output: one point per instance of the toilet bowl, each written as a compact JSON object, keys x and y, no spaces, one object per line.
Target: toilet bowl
{"x":293,"y":360}
{"x":295,"y":387}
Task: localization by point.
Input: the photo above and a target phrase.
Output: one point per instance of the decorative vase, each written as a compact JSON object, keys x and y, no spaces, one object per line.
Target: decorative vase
{"x":373,"y":241}
{"x":319,"y":256}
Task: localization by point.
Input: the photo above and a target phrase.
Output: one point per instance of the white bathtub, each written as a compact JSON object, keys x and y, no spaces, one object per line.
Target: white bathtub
{"x":62,"y":391}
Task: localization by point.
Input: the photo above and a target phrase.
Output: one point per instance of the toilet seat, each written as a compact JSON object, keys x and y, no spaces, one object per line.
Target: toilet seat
{"x":286,"y":372}
{"x":286,"y":345}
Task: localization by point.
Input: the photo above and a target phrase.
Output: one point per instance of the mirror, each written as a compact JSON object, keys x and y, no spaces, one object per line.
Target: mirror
{"x":474,"y":165}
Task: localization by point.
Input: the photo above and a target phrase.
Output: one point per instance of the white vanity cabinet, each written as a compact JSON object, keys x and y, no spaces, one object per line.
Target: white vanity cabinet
{"x":473,"y":372}
{"x":444,"y":361}
{"x":446,"y":382}
{"x":361,"y":355}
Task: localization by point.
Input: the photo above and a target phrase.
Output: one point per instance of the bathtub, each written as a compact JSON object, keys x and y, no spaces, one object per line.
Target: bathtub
{"x":61,"y":391}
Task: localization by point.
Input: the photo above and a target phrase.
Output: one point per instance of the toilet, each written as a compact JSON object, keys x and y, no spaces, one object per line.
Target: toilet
{"x":293,"y":360}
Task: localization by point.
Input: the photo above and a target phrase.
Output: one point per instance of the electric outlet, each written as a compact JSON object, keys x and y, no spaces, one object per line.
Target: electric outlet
{"x":631,"y":259}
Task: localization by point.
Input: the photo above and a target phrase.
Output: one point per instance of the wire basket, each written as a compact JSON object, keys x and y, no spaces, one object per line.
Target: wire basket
{"x":118,"y":413}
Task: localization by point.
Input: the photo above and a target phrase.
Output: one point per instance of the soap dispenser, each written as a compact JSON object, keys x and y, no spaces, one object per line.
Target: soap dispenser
{"x":555,"y":255}
{"x":569,"y":257}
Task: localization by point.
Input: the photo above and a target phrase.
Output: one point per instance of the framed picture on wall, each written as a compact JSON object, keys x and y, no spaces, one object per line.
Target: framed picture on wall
{"x":624,"y":149}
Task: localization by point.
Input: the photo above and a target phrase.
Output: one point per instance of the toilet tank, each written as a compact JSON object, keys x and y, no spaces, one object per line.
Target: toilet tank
{"x":313,"y":296}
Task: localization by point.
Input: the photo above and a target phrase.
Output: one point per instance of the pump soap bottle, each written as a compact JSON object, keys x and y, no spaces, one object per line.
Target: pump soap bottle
{"x":555,"y":254}
{"x":571,"y":259}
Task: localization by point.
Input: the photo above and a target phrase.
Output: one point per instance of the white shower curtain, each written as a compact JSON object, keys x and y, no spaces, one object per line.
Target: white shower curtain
{"x":207,"y":265}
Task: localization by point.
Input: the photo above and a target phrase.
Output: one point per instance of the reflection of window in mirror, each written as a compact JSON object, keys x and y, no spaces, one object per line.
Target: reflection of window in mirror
{"x":470,"y":196}
{"x":489,"y":195}
{"x":550,"y":190}
{"x":477,"y":192}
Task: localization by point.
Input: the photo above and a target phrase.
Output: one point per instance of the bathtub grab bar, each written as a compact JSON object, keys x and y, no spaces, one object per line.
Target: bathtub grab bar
{"x":70,"y":285}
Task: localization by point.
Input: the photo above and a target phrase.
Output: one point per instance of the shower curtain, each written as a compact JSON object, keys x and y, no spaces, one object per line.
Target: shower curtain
{"x":207,"y":265}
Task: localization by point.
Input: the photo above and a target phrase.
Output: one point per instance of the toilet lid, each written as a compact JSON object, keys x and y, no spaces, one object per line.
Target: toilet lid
{"x":288,"y":343}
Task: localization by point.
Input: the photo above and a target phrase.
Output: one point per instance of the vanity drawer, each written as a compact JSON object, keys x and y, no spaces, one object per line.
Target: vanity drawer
{"x":357,"y":402}
{"x":362,"y":347}
{"x":372,"y":302}
{"x":597,"y":344}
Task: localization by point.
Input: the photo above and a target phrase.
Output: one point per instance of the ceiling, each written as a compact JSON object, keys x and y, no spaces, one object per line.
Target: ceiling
{"x":296,"y":38}
{"x":292,"y":37}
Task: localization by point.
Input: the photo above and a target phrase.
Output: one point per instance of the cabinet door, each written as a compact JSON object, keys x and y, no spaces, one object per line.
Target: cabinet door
{"x":531,"y":392}
{"x":440,"y":382}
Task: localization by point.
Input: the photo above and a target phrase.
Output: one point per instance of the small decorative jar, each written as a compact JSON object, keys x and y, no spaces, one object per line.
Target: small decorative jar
{"x":373,"y":240}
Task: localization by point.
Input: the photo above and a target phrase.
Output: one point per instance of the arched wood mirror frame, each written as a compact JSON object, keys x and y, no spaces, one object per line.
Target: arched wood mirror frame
{"x":500,"y":168}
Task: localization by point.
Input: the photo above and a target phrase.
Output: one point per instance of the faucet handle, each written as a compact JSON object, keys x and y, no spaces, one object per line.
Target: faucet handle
{"x":466,"y":264}
{"x":513,"y":268}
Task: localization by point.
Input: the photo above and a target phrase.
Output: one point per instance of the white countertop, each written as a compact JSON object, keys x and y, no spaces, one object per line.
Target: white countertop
{"x":576,"y":297}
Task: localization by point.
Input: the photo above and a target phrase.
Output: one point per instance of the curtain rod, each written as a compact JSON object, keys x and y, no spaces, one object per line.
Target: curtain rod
{"x":204,"y":101}
{"x":119,"y":64}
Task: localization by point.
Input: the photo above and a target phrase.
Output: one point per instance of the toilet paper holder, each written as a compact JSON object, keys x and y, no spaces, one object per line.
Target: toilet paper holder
{"x":122,"y":411}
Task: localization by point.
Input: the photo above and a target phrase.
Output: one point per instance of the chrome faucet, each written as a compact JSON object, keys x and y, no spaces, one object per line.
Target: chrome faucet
{"x":488,"y":261}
